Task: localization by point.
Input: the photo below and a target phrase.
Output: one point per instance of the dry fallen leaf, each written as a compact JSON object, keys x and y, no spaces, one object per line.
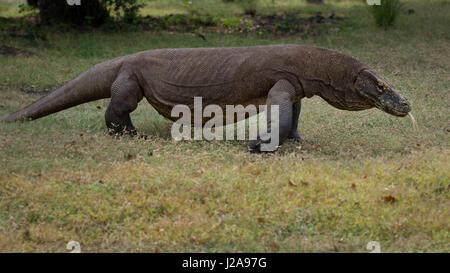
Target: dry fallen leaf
{"x":389,"y":199}
{"x":275,"y":246}
{"x":305,"y":183}
{"x":353,"y":186}
{"x":260,"y":219}
{"x":292,"y":183}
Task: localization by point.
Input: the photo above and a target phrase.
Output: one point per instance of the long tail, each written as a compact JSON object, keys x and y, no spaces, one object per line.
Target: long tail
{"x":91,"y":85}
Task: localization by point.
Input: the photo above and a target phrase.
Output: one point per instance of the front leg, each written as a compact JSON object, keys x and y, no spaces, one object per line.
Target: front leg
{"x":281,"y":95}
{"x":297,"y":107}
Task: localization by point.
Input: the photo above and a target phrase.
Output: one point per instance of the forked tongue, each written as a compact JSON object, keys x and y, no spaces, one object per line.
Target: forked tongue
{"x":416,"y":128}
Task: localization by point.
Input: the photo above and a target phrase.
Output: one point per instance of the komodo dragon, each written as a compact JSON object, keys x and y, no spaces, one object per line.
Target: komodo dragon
{"x":273,"y":75}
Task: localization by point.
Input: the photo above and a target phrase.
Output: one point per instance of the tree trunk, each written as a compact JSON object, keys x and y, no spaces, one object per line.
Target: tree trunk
{"x":89,"y":12}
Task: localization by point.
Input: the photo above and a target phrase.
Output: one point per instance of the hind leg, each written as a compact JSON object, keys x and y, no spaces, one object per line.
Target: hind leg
{"x":125,"y":96}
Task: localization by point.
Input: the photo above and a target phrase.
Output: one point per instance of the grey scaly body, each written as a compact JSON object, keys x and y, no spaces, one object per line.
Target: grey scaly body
{"x":274,"y":75}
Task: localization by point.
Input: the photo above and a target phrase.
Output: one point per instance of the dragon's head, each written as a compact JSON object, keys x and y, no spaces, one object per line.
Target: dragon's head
{"x":381,"y":94}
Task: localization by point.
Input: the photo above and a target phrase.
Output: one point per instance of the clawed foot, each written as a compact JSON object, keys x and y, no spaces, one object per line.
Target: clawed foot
{"x":295,"y":136}
{"x":144,"y":137}
{"x":125,"y":133}
{"x":255,"y":147}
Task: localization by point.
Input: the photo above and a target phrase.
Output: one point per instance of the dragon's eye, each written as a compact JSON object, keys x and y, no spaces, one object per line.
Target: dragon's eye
{"x":380,"y":87}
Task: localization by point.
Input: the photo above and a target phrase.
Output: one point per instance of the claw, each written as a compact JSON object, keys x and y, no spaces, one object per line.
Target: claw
{"x":295,"y":137}
{"x":144,"y":137}
{"x":254,"y":147}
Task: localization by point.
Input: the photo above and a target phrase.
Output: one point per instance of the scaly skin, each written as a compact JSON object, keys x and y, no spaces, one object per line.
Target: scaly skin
{"x":274,"y":75}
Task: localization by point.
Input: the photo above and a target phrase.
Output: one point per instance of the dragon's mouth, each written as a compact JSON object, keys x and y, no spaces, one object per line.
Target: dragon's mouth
{"x":394,"y":105}
{"x":397,"y":110}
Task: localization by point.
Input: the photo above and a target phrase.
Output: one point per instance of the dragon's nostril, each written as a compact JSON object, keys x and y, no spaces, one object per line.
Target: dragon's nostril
{"x":406,"y":105}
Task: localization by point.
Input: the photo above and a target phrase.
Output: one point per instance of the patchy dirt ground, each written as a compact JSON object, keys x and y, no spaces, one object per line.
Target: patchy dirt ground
{"x":268,"y":24}
{"x":273,"y":24}
{"x":12,"y":51}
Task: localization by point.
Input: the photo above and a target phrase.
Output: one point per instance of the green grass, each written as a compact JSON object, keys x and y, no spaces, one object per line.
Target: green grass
{"x":63,"y":178}
{"x":386,"y":13}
